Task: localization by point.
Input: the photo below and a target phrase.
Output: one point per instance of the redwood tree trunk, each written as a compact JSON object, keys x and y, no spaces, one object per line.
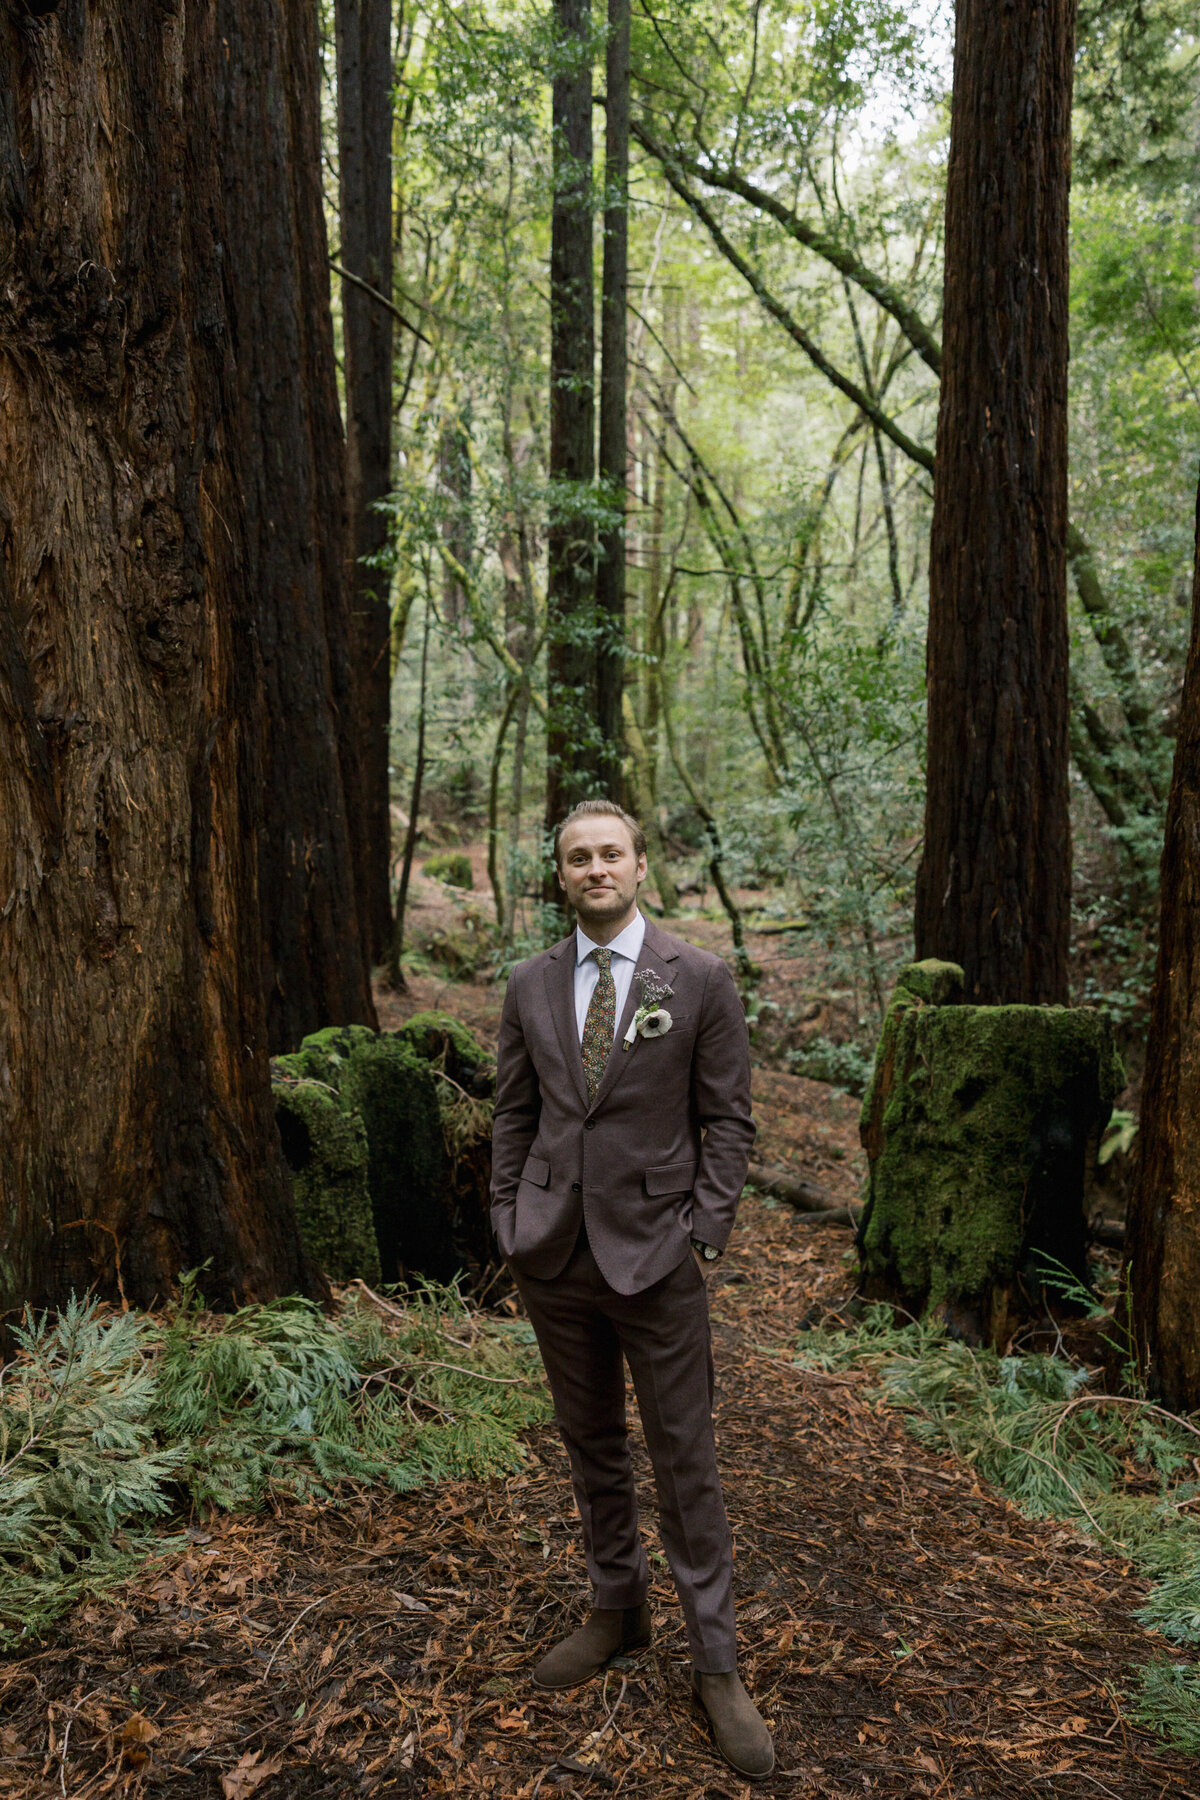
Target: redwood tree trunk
{"x":315,"y":962}
{"x":1163,"y":1231}
{"x":573,"y":743}
{"x":994,"y":887}
{"x":364,"y":64}
{"x":614,"y":452}
{"x":137,"y":1134}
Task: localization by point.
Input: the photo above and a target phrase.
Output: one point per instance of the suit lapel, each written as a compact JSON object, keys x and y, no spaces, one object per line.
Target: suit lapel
{"x":559,"y":976}
{"x":657,"y":948}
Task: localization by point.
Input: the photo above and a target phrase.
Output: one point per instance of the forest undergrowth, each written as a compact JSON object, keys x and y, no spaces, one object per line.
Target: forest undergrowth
{"x":117,"y":1427}
{"x":908,"y":1631}
{"x":1037,"y":1427}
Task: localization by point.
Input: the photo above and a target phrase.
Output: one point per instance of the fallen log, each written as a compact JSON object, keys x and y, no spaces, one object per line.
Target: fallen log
{"x":833,"y":1215}
{"x":799,"y":1191}
{"x":1108,"y":1232}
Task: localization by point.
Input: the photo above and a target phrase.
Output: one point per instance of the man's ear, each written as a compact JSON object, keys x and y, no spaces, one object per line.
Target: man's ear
{"x":642,"y":868}
{"x":558,"y":877}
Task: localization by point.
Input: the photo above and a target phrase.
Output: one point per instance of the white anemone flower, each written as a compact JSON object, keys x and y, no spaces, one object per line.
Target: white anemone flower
{"x":656,"y":1023}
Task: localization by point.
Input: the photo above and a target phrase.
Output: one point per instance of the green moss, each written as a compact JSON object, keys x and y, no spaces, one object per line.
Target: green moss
{"x":324,"y":1054}
{"x":442,"y":1041}
{"x":396,"y":1091}
{"x":977,"y":1125}
{"x":423,"y":1096}
{"x":932,"y":982}
{"x":451,"y":866}
{"x":326,"y":1149}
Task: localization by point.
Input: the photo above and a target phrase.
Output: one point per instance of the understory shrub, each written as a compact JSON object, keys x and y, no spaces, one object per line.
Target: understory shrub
{"x":112,"y":1424}
{"x":1114,"y":1465}
{"x":847,"y":1066}
{"x":451,"y":866}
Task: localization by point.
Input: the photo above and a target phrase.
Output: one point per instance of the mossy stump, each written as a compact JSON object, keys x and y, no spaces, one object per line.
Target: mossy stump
{"x":423,"y":1097}
{"x":451,"y":866}
{"x":977,"y":1126}
{"x":326,"y":1150}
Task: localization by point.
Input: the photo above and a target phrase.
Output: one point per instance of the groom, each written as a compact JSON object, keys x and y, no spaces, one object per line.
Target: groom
{"x":619,"y":1151}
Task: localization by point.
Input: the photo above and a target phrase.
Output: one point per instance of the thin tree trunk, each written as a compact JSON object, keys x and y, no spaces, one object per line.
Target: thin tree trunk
{"x":493,"y":830}
{"x":716,"y":852}
{"x":647,"y":811}
{"x":994,"y":887}
{"x":364,"y":68}
{"x":574,"y":765}
{"x":889,"y":519}
{"x":454,"y":481}
{"x":395,"y":968}
{"x":137,"y":1133}
{"x":614,"y":450}
{"x":315,"y":965}
{"x":1163,"y":1229}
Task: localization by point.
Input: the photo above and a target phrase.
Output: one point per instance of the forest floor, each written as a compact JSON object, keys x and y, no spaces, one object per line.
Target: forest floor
{"x":907,"y":1632}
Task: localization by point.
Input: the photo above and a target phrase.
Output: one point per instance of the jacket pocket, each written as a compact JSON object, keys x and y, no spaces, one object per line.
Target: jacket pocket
{"x":670,"y":1178}
{"x":536,"y":1170}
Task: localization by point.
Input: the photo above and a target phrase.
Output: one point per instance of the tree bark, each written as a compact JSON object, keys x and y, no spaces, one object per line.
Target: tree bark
{"x":364,"y":65}
{"x":315,"y":965}
{"x":574,"y":765}
{"x":454,"y":484}
{"x":993,"y":893}
{"x":1163,"y":1228}
{"x":137,"y":1135}
{"x":614,"y":443}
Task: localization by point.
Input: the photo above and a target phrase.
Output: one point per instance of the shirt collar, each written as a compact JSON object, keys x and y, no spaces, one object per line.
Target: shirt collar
{"x":626,"y":943}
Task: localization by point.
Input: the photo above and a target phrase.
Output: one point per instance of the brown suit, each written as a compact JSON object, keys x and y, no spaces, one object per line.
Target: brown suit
{"x":594,"y":1207}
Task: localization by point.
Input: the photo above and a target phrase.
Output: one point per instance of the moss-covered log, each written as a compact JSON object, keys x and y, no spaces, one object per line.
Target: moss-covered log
{"x":326,"y":1150}
{"x":977,"y":1125}
{"x":423,"y":1096}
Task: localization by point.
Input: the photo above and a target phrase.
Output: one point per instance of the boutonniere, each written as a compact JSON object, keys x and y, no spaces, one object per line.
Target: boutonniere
{"x":651,"y":1019}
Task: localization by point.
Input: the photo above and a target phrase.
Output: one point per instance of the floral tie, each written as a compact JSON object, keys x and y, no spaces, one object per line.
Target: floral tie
{"x":600,"y":1023}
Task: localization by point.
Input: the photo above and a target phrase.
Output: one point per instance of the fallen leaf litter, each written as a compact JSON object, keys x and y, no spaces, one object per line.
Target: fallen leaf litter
{"x":906,"y":1633}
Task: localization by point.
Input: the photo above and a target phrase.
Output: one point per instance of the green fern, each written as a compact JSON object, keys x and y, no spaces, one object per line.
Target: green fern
{"x":1169,"y":1703}
{"x":81,"y":1471}
{"x":112,"y":1422}
{"x":1115,"y":1465}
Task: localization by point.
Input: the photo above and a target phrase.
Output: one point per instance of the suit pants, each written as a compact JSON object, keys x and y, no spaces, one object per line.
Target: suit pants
{"x":584,"y":1329}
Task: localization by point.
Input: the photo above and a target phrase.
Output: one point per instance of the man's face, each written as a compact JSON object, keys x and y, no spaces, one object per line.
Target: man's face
{"x":598,"y":870}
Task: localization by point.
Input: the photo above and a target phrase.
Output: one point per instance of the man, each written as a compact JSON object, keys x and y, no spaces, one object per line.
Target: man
{"x":620,"y":1147}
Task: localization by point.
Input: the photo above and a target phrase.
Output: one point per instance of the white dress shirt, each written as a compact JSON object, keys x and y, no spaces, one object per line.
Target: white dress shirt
{"x":626,"y":947}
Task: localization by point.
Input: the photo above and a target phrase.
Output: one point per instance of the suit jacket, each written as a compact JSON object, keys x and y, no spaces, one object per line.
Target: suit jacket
{"x":660,"y":1154}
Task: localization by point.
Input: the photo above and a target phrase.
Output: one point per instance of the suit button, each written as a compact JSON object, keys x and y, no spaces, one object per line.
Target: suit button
{"x":577,"y":1187}
{"x":589,"y":1124}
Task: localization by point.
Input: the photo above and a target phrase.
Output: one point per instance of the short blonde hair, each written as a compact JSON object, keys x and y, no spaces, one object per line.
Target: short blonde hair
{"x":598,"y":809}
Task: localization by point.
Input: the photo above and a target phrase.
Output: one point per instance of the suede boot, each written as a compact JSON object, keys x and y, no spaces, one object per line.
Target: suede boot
{"x":738,"y":1727}
{"x":605,"y":1633}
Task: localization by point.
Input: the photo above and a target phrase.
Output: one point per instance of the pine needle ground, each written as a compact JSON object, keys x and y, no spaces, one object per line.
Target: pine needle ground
{"x":908,"y":1630}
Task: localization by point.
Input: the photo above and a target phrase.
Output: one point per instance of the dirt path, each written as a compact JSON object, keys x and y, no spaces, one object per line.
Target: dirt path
{"x":907,"y":1633}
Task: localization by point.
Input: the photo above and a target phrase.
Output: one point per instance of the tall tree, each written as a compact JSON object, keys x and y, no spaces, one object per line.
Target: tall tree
{"x":365,"y":83}
{"x":574,"y":765}
{"x":1163,"y":1231}
{"x":315,"y":964}
{"x":994,"y":887}
{"x":137,"y":1134}
{"x":614,"y":453}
